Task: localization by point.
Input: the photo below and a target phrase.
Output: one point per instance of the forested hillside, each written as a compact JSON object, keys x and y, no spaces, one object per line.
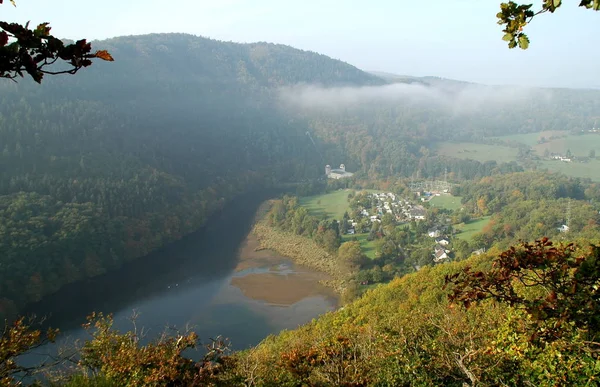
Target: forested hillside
{"x":388,"y":130}
{"x":127,"y":156}
{"x":109,"y":165}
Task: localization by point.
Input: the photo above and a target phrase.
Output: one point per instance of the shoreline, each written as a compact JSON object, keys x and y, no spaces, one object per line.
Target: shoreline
{"x":280,"y":286}
{"x":300,"y":250}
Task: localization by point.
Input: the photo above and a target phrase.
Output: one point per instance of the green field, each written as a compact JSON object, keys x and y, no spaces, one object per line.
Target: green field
{"x":532,"y":139}
{"x":478,"y":152}
{"x":580,"y":146}
{"x":590,"y":169}
{"x":368,"y":247}
{"x":332,"y":205}
{"x":446,"y":201}
{"x":473,"y":227}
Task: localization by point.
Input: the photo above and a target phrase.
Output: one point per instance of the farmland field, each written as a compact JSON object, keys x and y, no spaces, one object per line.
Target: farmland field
{"x":580,"y":146}
{"x":478,"y":152}
{"x":446,"y":201}
{"x":590,"y":169}
{"x":332,"y":205}
{"x":532,"y":139}
{"x":467,"y":230}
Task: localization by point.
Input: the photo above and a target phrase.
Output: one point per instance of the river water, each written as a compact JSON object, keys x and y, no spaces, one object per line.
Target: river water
{"x":214,"y":281}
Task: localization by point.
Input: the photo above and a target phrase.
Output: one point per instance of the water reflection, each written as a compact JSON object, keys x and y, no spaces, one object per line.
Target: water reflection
{"x":214,"y":280}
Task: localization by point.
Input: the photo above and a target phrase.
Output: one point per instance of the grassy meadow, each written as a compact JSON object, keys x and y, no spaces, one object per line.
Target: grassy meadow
{"x":478,"y":152}
{"x":467,"y":230}
{"x":446,"y":201}
{"x":589,"y":170}
{"x":332,"y":205}
{"x":532,"y":139}
{"x":579,"y":145}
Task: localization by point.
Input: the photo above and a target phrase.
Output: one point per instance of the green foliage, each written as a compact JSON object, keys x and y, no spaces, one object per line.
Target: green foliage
{"x":514,"y":17}
{"x":350,"y":253}
{"x":92,"y":179}
{"x":289,"y":215}
{"x":531,"y":319}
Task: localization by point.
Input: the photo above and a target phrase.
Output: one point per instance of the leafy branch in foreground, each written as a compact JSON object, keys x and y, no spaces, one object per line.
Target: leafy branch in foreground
{"x":558,"y":288}
{"x":516,"y":16}
{"x":33,"y":51}
{"x":17,"y":339}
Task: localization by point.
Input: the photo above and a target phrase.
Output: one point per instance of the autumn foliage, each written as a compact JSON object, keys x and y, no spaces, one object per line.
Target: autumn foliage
{"x":35,"y":51}
{"x":122,"y":359}
{"x":557,"y":287}
{"x":16,"y":339}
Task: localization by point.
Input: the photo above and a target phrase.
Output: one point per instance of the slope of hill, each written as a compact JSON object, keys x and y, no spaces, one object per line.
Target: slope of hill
{"x":124,"y":157}
{"x":112,"y":163}
{"x":407,"y":333}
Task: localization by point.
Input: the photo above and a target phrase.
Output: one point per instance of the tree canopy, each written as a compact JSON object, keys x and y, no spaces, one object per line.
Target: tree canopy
{"x":34,"y":51}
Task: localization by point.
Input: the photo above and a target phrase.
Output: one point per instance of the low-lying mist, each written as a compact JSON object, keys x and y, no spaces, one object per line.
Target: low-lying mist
{"x":456,"y":98}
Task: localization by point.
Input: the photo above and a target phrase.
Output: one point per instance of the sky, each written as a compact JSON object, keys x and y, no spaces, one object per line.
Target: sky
{"x":456,"y":39}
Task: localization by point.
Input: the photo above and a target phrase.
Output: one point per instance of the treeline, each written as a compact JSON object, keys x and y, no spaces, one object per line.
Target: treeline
{"x":525,"y":220}
{"x":289,"y":215}
{"x":92,"y":178}
{"x":491,"y":194}
{"x":383,"y":134}
{"x":529,"y":205}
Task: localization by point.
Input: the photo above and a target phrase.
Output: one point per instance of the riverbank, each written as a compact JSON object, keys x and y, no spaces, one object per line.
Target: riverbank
{"x":302,"y":251}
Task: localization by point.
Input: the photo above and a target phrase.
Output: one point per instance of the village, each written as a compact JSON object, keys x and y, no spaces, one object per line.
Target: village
{"x":371,"y":208}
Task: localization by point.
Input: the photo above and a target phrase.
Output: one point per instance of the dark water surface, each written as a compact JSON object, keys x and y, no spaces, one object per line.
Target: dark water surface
{"x":212,"y":280}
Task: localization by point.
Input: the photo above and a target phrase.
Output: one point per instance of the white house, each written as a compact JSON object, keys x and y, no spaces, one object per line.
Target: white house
{"x":439,"y":256}
{"x":442,"y":241}
{"x":433,"y":233}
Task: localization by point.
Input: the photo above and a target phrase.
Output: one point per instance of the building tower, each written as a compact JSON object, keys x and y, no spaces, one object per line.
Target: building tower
{"x":328,"y":169}
{"x":343,"y":167}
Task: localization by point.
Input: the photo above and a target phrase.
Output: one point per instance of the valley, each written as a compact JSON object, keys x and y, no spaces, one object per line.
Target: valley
{"x":190,"y":181}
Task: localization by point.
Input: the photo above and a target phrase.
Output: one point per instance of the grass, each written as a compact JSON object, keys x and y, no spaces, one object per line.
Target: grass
{"x":532,"y":139}
{"x":478,"y":152}
{"x":467,"y":230}
{"x":331,"y":205}
{"x":446,"y":201}
{"x":367,"y":247}
{"x":580,"y":146}
{"x":590,"y":169}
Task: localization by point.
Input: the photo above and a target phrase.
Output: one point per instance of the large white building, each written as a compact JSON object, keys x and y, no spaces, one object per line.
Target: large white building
{"x":339,"y":173}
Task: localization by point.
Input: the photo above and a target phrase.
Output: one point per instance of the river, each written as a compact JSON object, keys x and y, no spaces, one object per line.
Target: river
{"x":214,"y":281}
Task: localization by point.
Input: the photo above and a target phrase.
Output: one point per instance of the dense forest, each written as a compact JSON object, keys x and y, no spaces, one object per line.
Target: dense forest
{"x":109,"y":165}
{"x":125,"y":157}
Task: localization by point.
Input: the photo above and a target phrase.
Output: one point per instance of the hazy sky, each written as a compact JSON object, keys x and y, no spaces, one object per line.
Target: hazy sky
{"x":450,"y":38}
